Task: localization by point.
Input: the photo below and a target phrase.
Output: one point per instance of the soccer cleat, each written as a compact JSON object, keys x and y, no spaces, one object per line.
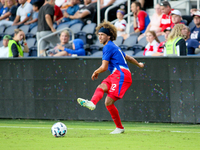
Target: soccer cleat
{"x":85,"y":103}
{"x":117,"y":131}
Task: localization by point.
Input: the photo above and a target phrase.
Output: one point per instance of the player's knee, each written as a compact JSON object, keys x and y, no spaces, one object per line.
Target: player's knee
{"x":103,"y":86}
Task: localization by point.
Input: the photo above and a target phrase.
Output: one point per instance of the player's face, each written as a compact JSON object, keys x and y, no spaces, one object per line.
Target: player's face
{"x":196,"y":20}
{"x":103,"y":38}
{"x":176,"y":19}
{"x":150,"y":37}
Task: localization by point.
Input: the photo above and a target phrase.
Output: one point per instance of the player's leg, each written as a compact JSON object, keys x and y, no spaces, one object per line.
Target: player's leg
{"x":97,"y":96}
{"x":109,"y":103}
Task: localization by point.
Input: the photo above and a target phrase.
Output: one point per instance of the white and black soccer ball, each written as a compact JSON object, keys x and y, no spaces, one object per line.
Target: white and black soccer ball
{"x":59,"y":129}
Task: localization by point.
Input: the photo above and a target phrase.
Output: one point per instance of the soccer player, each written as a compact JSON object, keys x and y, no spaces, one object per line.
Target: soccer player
{"x":117,"y":83}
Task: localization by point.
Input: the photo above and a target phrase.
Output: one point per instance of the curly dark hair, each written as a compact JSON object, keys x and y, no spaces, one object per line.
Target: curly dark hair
{"x":111,"y":27}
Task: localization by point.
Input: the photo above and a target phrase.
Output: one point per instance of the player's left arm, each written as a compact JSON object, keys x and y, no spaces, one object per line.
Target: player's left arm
{"x":102,"y":68}
{"x":134,"y":61}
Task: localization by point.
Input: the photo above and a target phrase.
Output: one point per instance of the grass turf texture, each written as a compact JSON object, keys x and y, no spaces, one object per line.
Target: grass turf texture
{"x":36,"y":135}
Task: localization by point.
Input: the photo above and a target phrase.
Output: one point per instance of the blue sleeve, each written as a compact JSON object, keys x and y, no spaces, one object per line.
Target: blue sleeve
{"x":79,"y":52}
{"x":106,"y":53}
{"x":194,"y":44}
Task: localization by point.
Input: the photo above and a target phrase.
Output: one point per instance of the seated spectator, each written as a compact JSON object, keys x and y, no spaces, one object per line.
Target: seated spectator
{"x":189,"y":18}
{"x":11,"y":14}
{"x":162,"y":44}
{"x":64,"y":41}
{"x":152,"y":45}
{"x":175,"y":45}
{"x":120,"y":24}
{"x":78,"y":49}
{"x":191,"y":43}
{"x":82,"y":15}
{"x":21,"y":16}
{"x":15,"y":48}
{"x":71,"y":10}
{"x":176,"y":18}
{"x":195,"y":32}
{"x":4,"y":48}
{"x":154,"y":25}
{"x":166,"y":19}
{"x":4,"y":7}
{"x":57,"y":13}
{"x":22,"y":12}
{"x":141,"y":19}
{"x":33,"y":22}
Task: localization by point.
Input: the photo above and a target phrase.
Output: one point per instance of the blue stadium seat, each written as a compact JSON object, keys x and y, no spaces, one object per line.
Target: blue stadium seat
{"x":9,"y":31}
{"x":139,"y":53}
{"x":25,"y":28}
{"x":2,"y":29}
{"x":97,"y":54}
{"x":32,"y":33}
{"x":31,"y":42}
{"x":61,"y":26}
{"x":87,"y":33}
{"x":119,"y":40}
{"x":128,"y":43}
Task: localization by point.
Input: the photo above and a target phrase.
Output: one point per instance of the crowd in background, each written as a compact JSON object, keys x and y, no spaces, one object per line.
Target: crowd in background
{"x":47,"y":15}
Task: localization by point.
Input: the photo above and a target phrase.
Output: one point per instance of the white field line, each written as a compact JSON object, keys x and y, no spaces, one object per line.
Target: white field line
{"x":136,"y":130}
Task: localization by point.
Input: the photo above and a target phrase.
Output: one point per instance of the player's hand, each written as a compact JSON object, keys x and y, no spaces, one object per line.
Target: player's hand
{"x":94,"y":76}
{"x":140,"y":65}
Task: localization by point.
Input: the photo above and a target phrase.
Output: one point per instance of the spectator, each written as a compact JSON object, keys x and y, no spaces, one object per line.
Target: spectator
{"x":176,"y":18}
{"x":191,"y":43}
{"x":166,"y":19}
{"x":11,"y":14}
{"x":120,"y":24}
{"x":4,"y":8}
{"x":195,"y":32}
{"x":4,"y":48}
{"x":141,"y":19}
{"x":154,"y":25}
{"x":57,"y":13}
{"x":71,"y":10}
{"x":82,"y":15}
{"x":22,"y":12}
{"x":152,"y":45}
{"x":162,"y":44}
{"x":15,"y":48}
{"x":64,"y":41}
{"x":189,"y":18}
{"x":33,"y":22}
{"x":78,"y":49}
{"x":175,"y":45}
{"x":45,"y":24}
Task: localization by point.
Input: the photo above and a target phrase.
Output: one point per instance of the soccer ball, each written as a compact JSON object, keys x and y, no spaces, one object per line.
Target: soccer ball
{"x":59,"y":129}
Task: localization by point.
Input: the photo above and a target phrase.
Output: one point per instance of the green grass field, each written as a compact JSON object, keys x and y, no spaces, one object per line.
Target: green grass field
{"x":36,"y":135}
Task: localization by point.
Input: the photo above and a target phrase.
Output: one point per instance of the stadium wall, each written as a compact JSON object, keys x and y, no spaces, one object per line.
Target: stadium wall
{"x":166,"y":90}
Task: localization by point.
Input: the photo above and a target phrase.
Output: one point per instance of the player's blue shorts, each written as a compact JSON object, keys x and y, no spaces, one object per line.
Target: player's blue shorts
{"x":118,"y":84}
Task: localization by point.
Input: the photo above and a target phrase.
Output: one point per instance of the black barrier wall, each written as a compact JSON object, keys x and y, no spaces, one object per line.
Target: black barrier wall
{"x":165,"y":90}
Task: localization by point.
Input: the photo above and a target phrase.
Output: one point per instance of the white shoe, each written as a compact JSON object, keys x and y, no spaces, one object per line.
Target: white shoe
{"x":117,"y":131}
{"x":85,"y":103}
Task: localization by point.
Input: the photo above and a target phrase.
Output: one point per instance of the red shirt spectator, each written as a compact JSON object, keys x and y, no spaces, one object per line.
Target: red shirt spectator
{"x":57,"y":13}
{"x":165,"y":21}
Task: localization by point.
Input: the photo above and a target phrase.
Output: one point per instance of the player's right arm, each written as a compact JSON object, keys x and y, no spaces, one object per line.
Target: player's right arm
{"x":102,"y":68}
{"x":134,"y":61}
